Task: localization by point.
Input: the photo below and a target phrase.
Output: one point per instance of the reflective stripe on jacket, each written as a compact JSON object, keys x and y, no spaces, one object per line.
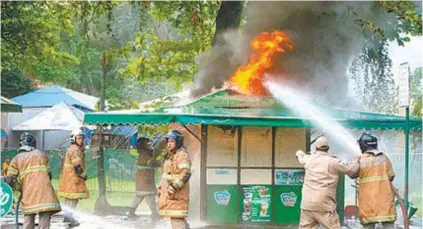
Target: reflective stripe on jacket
{"x":175,"y":168}
{"x":38,"y":194}
{"x":72,"y":185}
{"x":376,"y":197}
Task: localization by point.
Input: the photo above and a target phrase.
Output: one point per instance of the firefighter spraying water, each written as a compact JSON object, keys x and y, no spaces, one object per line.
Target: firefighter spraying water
{"x":322,"y":171}
{"x":376,"y":192}
{"x":30,"y":168}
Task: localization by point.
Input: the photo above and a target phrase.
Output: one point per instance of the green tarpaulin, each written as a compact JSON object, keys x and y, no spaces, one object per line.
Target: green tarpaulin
{"x":226,"y":108}
{"x":8,"y":105}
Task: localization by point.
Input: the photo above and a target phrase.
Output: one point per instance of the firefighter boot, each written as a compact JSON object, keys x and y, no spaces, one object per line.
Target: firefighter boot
{"x":72,"y":222}
{"x":131,"y":214}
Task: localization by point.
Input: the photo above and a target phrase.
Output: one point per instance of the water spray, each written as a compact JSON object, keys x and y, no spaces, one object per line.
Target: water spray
{"x":295,"y":101}
{"x":290,"y":98}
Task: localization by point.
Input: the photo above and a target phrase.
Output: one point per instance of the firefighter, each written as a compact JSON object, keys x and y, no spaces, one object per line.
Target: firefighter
{"x":5,"y":165}
{"x":174,"y":187}
{"x":145,"y":179}
{"x":30,"y":168}
{"x":376,"y":196}
{"x":322,"y":172}
{"x":72,"y":183}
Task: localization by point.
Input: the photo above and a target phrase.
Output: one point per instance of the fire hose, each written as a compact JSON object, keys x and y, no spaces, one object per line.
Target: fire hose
{"x":401,"y":203}
{"x":397,"y":195}
{"x":17,"y":211}
{"x":403,"y":208}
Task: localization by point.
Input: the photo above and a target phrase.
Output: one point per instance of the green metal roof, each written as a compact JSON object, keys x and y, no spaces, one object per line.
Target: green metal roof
{"x":227,"y":107}
{"x":8,"y":105}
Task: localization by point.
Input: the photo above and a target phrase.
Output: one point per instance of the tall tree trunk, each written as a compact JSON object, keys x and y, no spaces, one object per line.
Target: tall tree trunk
{"x":228,"y":17}
{"x":101,"y":205}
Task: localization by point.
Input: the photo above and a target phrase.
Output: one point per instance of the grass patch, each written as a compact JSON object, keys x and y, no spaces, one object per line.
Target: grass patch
{"x":119,"y":193}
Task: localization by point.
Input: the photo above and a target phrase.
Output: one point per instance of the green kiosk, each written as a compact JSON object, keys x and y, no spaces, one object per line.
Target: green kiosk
{"x":248,"y":172}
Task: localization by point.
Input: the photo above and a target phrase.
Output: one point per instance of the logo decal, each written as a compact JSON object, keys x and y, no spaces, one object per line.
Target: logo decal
{"x":289,"y":199}
{"x":222,"y":197}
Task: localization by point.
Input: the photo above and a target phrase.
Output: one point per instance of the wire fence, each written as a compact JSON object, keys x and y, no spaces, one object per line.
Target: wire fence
{"x":120,"y":169}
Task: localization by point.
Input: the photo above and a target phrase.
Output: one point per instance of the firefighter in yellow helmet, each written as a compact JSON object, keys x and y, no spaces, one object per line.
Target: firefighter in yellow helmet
{"x":72,"y":184}
{"x":30,"y":167}
{"x":174,"y":187}
{"x":322,"y":171}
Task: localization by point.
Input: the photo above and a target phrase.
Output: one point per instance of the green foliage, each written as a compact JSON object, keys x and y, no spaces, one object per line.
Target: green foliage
{"x":416,"y":91}
{"x":409,"y":19}
{"x":371,"y":69}
{"x":30,"y":33}
{"x":14,"y":83}
{"x":83,"y":75}
{"x":406,"y":21}
{"x":372,"y":72}
{"x":162,"y":59}
{"x":165,"y":48}
{"x":92,"y":46}
{"x":193,"y":20}
{"x":155,"y":43}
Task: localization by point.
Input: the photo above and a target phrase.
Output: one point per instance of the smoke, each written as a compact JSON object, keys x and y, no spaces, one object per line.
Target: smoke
{"x":325,"y":35}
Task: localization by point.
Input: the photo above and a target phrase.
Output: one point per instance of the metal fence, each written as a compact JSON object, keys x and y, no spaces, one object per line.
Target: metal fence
{"x":120,"y":168}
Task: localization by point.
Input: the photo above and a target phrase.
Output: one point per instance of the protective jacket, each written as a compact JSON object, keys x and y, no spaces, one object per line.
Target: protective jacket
{"x":32,"y":172}
{"x":72,"y":185}
{"x":322,"y":173}
{"x":176,"y":172}
{"x":145,"y":180}
{"x":376,"y":197}
{"x":4,"y":167}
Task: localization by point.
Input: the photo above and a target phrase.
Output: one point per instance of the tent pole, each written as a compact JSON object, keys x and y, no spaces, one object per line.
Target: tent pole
{"x":44,"y":144}
{"x":407,"y":139}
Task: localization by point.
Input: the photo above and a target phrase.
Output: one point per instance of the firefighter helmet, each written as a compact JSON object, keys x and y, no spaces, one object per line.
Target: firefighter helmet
{"x":75,"y":133}
{"x":177,"y":136}
{"x":143,"y":143}
{"x":27,"y":142}
{"x":367,"y":142}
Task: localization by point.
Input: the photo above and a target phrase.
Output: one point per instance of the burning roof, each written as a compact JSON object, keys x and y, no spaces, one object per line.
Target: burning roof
{"x":249,"y":78}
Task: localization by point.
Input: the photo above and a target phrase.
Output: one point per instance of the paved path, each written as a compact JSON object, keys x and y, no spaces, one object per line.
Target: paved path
{"x":89,"y":221}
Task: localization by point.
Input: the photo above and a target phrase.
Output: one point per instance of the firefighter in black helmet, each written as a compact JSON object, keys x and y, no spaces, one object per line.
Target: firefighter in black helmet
{"x":367,"y":142}
{"x":31,"y":166}
{"x":375,"y":176}
{"x":174,"y":186}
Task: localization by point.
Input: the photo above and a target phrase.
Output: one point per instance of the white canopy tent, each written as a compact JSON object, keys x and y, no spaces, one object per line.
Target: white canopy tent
{"x":58,"y":121}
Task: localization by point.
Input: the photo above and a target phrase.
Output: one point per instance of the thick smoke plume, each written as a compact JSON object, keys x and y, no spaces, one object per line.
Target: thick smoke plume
{"x":325,"y":35}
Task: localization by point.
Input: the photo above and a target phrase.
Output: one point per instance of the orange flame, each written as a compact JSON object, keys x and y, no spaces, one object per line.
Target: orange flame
{"x":249,"y":78}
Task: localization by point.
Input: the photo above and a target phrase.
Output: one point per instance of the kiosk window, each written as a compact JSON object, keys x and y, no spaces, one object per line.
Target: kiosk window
{"x":287,"y":142}
{"x":222,"y":146}
{"x":256,"y":147}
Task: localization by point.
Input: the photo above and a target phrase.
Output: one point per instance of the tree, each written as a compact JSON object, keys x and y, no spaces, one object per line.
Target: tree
{"x":172,"y":35}
{"x":371,"y":69}
{"x":30,"y":33}
{"x":84,"y":75}
{"x":228,"y":17}
{"x":15,"y":83}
